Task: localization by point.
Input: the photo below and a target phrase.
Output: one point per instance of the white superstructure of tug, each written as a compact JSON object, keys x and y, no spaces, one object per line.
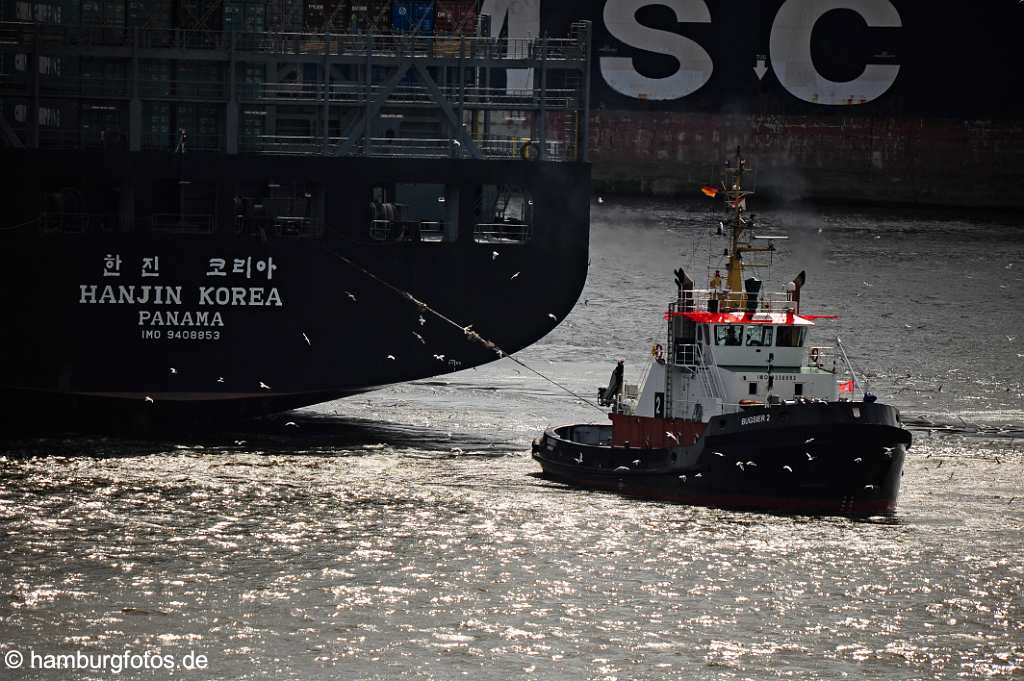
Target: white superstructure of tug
{"x":734,"y":346}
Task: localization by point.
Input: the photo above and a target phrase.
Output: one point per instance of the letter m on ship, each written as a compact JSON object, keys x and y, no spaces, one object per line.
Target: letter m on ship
{"x":523,"y":20}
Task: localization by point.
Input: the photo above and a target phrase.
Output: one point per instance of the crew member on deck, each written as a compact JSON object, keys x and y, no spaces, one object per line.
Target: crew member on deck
{"x":716,"y":281}
{"x":614,"y":385}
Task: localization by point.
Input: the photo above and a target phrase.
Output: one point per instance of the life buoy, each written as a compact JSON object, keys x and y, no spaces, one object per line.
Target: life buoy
{"x":815,"y":355}
{"x":529,"y":151}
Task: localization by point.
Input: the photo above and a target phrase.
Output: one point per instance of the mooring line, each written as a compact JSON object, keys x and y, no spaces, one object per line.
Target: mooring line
{"x":466,"y":330}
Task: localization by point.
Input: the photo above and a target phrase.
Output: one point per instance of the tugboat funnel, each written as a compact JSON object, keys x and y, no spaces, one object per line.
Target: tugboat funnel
{"x":753,"y":288}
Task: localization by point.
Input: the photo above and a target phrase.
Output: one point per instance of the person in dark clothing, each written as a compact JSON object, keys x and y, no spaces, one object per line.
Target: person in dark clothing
{"x":614,"y":385}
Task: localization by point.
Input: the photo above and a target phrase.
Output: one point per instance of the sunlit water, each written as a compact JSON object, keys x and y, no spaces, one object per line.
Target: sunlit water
{"x":404,"y":534}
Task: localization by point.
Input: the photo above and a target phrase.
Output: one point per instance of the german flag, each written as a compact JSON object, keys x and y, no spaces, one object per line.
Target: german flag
{"x":708,"y":190}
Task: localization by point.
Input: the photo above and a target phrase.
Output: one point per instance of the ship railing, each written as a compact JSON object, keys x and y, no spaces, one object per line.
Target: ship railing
{"x":168,"y":141}
{"x":716,"y":300}
{"x":179,"y":223}
{"x":78,"y":223}
{"x":472,"y":47}
{"x":183,"y":89}
{"x":693,"y":357}
{"x":409,"y":95}
{"x":500,"y":233}
{"x":427,"y":231}
{"x":294,"y":226}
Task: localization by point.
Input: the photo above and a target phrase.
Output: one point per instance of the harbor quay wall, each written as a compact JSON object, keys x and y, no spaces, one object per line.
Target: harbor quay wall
{"x":854,"y":158}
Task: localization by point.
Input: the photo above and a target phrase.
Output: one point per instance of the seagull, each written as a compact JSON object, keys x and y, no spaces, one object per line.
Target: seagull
{"x":552,"y":316}
{"x":808,"y":440}
{"x":683,"y":478}
{"x":421,"y":320}
{"x":291,"y":424}
{"x":264,"y":386}
{"x":173,"y":370}
{"x":672,"y":436}
{"x":351,"y":295}
{"x":220,"y":379}
{"x":600,"y":199}
{"x":869,"y":487}
{"x":699,"y":475}
{"x":868,"y":285}
{"x":809,"y":457}
{"x":419,"y":337}
{"x":149,"y":399}
{"x":391,"y":357}
{"x":787,"y":468}
{"x":579,"y":458}
{"x":457,"y":450}
{"x":457,"y":143}
{"x":307,"y":339}
{"x":739,"y":464}
{"x":514,"y":276}
{"x":621,"y":469}
{"x":751,"y":463}
{"x":494,"y":255}
{"x":718,"y":453}
{"x":907,"y":326}
{"x":636,"y":462}
{"x":1010,"y":338}
{"x":239,"y":442}
{"x":858,"y":460}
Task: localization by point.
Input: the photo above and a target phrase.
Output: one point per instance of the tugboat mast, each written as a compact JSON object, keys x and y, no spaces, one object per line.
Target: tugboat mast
{"x":735,"y":196}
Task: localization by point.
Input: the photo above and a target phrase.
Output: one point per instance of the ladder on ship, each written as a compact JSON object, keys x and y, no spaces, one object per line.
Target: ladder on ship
{"x":672,"y":362}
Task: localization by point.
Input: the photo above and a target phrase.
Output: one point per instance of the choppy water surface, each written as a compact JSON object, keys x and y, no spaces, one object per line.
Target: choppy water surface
{"x":403,"y":534}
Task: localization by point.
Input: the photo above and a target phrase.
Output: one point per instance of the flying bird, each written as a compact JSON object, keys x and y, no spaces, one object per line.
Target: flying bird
{"x":239,"y":442}
{"x":809,"y":457}
{"x":173,"y":370}
{"x":351,"y":295}
{"x":149,"y":399}
{"x":264,"y":386}
{"x":421,"y":320}
{"x":220,"y":379}
{"x":391,"y":357}
{"x":306,"y":338}
{"x":291,"y":424}
{"x":787,"y":468}
{"x":718,"y":453}
{"x":419,"y":337}
{"x":600,"y":199}
{"x":808,"y":440}
{"x":739,"y":464}
{"x":869,"y":487}
{"x":494,"y":255}
{"x":552,"y":316}
{"x":858,"y":460}
{"x":579,"y":458}
{"x":751,"y":463}
{"x":514,"y":276}
{"x":439,"y":358}
{"x":672,"y":436}
{"x":621,"y":468}
{"x":636,"y":462}
{"x":683,"y":478}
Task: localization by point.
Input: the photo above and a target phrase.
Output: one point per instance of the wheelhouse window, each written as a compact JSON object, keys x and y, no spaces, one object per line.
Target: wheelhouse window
{"x":504,"y":214}
{"x":791,"y":336}
{"x":729,"y":335}
{"x":414,"y":212}
{"x":759,"y":336}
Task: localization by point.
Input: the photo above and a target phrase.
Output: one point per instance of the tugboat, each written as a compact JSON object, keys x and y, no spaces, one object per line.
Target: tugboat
{"x":737,"y":410}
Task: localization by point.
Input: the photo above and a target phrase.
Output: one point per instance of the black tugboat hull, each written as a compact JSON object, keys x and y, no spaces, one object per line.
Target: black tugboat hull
{"x":838,"y":458}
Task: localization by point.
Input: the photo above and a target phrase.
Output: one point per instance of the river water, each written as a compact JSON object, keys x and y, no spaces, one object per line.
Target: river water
{"x":405,"y":534}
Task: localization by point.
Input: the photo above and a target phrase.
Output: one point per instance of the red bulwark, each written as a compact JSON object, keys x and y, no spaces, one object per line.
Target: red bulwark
{"x":646,"y":432}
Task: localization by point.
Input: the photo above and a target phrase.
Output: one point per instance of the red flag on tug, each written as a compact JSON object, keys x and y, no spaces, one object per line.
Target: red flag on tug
{"x":708,"y":190}
{"x":846,"y":386}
